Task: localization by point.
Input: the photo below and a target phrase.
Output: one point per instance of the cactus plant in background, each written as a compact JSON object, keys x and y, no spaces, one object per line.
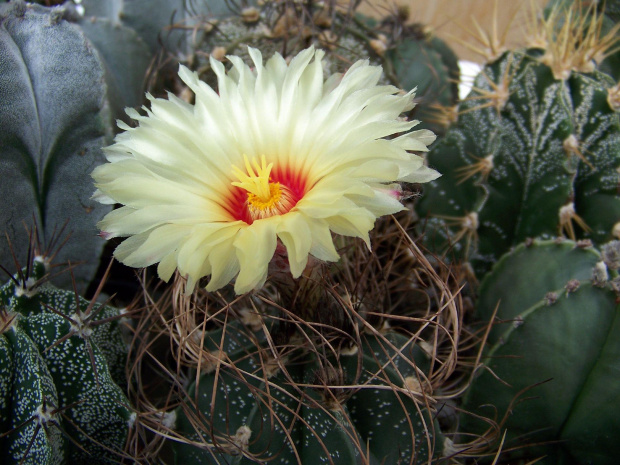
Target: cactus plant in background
{"x":140,"y":42}
{"x":55,"y":127}
{"x":418,"y":58}
{"x":604,"y":16}
{"x":54,"y":118}
{"x":556,"y":349}
{"x":125,"y":57}
{"x":62,"y":359}
{"x":126,"y":40}
{"x":149,"y":19}
{"x":410,"y":54}
{"x":535,"y":154}
{"x":535,"y":151}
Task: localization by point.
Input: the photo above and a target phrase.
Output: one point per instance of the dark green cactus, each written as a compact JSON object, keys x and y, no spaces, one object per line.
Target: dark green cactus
{"x":534,"y":153}
{"x":353,"y":407}
{"x":62,"y":359}
{"x":421,"y":59}
{"x":553,"y":357}
{"x":54,"y":117}
{"x":612,"y":10}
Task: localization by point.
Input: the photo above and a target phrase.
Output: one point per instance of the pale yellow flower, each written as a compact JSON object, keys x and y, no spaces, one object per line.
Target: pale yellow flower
{"x":278,"y":153}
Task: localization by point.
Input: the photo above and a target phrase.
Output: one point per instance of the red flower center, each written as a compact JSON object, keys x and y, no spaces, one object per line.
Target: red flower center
{"x":262,"y":192}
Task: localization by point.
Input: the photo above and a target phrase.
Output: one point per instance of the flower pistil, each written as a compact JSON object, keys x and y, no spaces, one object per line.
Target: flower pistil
{"x":265,"y":198}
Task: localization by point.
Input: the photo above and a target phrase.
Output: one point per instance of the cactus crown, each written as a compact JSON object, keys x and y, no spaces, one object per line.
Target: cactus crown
{"x":573,"y":39}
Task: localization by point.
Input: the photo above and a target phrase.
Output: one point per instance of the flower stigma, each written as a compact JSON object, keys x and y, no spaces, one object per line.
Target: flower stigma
{"x":264,"y":197}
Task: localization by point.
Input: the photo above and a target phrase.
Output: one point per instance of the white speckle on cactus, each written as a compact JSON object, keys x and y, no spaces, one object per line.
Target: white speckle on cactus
{"x":211,"y":360}
{"x":349,"y":351}
{"x":518,"y":321}
{"x":412,"y":384}
{"x":132,"y":420}
{"x":426,"y":348}
{"x":124,"y":320}
{"x":198,"y":335}
{"x":571,"y":146}
{"x":470,"y":221}
{"x":613,"y":97}
{"x":242,"y":437}
{"x":251,"y":318}
{"x":611,"y":254}
{"x":572,"y":285}
{"x":567,"y":215}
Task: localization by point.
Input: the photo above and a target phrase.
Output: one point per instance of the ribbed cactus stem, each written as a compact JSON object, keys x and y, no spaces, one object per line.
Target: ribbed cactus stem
{"x":59,"y":374}
{"x":555,"y":349}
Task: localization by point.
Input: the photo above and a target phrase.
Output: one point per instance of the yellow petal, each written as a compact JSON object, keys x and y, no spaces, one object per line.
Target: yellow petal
{"x":255,"y":247}
{"x":150,"y":247}
{"x":294,"y":233}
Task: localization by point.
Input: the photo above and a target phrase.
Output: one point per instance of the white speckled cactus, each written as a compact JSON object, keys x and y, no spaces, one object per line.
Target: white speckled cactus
{"x":344,"y":366}
{"x":359,"y":405}
{"x":535,"y":151}
{"x":62,"y":359}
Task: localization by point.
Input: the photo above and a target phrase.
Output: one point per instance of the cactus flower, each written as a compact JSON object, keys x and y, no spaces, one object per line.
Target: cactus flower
{"x":278,"y":153}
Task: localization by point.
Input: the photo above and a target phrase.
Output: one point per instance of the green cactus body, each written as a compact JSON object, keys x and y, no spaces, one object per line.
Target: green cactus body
{"x":612,"y":9}
{"x":420,"y":60}
{"x":248,"y":406}
{"x":59,"y":376}
{"x":530,"y":156}
{"x":30,"y":395}
{"x":556,"y":350}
